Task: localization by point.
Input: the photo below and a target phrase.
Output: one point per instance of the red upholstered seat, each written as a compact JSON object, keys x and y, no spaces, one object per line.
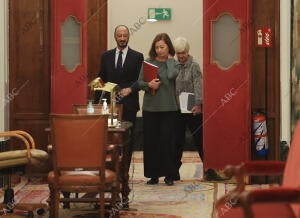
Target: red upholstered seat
{"x":259,"y":210}
{"x":82,"y":177}
{"x":273,"y":202}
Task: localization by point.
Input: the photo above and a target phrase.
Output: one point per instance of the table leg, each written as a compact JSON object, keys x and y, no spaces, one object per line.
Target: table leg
{"x":66,"y":205}
{"x":125,"y":177}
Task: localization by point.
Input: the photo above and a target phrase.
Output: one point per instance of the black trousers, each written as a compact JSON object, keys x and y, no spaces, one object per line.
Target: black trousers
{"x":130,"y":115}
{"x":194,"y":123}
{"x":159,"y":143}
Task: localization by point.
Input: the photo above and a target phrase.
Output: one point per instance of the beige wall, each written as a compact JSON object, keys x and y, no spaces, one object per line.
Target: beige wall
{"x":186,"y":21}
{"x":285,"y":70}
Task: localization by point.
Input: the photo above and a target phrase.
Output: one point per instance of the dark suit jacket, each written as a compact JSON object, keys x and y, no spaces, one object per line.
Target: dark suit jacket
{"x":127,"y":78}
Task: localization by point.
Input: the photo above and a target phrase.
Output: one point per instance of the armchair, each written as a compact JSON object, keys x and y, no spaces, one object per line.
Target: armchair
{"x":14,"y":161}
{"x":79,"y":151}
{"x":275,"y":202}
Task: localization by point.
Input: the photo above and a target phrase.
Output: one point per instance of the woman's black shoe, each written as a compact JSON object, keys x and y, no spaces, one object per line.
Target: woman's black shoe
{"x":152,"y":181}
{"x":169,"y":181}
{"x":176,"y":177}
{"x":211,"y":175}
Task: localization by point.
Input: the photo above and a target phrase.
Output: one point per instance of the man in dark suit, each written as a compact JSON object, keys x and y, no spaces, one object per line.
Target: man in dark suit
{"x":122,"y":65}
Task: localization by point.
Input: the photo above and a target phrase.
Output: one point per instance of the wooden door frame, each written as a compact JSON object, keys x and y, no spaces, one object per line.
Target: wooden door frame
{"x":97,"y":40}
{"x":266,"y":73}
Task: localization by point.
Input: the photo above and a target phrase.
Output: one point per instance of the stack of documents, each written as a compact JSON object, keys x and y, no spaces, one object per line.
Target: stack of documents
{"x":186,"y":101}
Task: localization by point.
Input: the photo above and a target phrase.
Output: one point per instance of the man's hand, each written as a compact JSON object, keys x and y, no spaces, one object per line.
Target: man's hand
{"x":125,"y":92}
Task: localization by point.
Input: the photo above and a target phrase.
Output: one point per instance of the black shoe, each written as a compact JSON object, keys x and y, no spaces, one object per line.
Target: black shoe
{"x":211,"y":175}
{"x":152,"y":181}
{"x":176,"y":177}
{"x":169,"y":181}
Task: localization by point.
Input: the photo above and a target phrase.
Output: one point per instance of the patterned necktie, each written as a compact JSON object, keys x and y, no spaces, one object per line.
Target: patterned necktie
{"x":119,"y":62}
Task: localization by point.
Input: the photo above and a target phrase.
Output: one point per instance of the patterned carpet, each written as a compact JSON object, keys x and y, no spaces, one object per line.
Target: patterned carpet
{"x":188,"y":198}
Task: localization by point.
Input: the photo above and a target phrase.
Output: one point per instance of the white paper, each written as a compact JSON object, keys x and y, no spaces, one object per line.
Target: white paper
{"x":186,"y":102}
{"x":115,"y":122}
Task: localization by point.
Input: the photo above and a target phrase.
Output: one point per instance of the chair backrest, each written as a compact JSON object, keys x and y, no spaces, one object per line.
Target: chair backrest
{"x":79,"y":141}
{"x":82,"y":109}
{"x":291,"y":176}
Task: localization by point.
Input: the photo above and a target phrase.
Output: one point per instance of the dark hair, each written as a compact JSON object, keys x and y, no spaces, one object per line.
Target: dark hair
{"x":165,"y":37}
{"x":122,"y":25}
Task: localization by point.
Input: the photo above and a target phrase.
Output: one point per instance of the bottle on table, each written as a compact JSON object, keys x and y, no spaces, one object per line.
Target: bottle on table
{"x":90,"y":108}
{"x":104,"y":106}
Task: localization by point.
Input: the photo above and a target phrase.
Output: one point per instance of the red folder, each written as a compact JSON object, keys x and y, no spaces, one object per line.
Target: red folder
{"x":150,"y":73}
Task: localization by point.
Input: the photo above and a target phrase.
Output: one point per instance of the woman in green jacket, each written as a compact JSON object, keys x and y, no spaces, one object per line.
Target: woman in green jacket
{"x":159,"y":112}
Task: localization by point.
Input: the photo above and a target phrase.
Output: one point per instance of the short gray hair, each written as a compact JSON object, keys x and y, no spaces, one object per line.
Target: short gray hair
{"x":181,"y":44}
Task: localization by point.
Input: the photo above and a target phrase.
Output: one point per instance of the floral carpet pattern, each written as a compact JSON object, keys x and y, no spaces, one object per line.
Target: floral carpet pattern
{"x":190,"y":197}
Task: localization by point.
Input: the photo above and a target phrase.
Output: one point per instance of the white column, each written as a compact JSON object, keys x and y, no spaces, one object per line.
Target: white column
{"x":4,"y":104}
{"x":285,"y":70}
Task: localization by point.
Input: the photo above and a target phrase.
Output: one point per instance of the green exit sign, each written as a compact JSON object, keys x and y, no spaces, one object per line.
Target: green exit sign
{"x":159,"y":13}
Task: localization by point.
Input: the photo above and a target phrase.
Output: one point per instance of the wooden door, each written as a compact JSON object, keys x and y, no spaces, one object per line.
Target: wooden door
{"x":227,"y":82}
{"x":29,"y":61}
{"x":29,"y":68}
{"x":69,"y":55}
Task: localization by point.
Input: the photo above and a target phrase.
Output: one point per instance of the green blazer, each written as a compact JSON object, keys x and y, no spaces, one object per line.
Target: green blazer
{"x":164,"y":98}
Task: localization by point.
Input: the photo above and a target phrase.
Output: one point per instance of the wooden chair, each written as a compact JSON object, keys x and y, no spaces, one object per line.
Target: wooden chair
{"x":21,"y":161}
{"x":79,"y":150}
{"x":275,"y":202}
{"x":81,"y":109}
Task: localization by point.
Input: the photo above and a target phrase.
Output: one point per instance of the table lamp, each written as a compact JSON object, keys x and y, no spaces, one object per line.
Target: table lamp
{"x":112,"y":88}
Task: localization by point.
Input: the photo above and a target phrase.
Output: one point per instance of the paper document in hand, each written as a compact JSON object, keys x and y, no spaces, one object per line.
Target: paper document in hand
{"x":186,"y":101}
{"x":150,"y":73}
